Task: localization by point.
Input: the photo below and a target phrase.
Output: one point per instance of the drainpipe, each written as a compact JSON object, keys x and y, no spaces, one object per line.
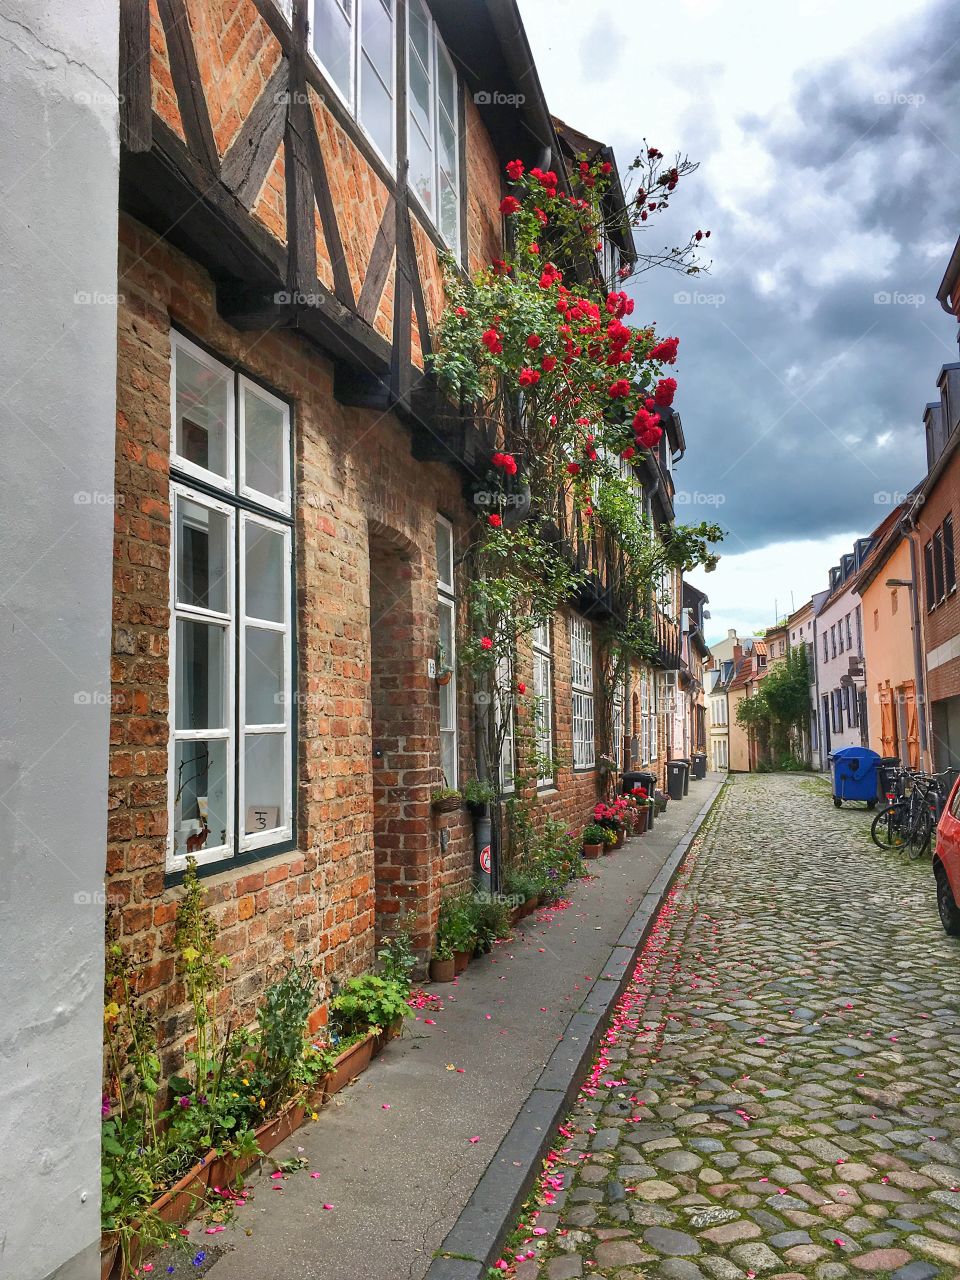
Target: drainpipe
{"x":816,"y":704}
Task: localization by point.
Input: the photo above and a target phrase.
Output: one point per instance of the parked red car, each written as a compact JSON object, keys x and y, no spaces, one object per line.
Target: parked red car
{"x":946,"y":863}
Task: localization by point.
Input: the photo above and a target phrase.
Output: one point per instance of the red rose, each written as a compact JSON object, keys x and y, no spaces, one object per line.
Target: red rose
{"x":628,"y":452}
{"x":534,"y":248}
{"x":606,"y":167}
{"x":665,"y":391}
{"x":521,"y":687}
{"x":650,"y":436}
{"x":494,"y":521}
{"x":529,"y":377}
{"x":515,"y":170}
{"x":619,"y":390}
{"x":533,"y":341}
{"x":665,"y":351}
{"x":573,"y":468}
{"x":491,"y":340}
{"x":548,"y":364}
{"x":461,"y":312}
{"x":509,"y":204}
{"x":541,"y":217}
{"x":486,"y":643}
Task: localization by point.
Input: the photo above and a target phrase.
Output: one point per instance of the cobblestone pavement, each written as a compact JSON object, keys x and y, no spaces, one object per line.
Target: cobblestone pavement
{"x":779,"y":1093}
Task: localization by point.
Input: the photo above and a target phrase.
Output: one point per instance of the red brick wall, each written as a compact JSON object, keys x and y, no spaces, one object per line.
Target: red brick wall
{"x":943,"y":622}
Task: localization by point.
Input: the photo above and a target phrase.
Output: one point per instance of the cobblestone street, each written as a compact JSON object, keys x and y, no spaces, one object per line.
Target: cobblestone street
{"x":778,"y":1095}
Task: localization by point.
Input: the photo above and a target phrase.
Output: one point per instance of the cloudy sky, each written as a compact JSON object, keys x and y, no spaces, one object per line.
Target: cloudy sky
{"x":829,"y":142}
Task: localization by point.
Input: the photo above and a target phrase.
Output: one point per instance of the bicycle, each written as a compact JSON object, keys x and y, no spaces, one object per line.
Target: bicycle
{"x":910,"y":818}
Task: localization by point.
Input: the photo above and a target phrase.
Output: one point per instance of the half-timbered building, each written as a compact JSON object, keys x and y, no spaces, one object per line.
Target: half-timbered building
{"x":292,"y":485}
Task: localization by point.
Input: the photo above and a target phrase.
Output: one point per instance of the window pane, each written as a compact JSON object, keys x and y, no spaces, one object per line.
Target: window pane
{"x":448,"y":147}
{"x":377,"y":36}
{"x":265,"y":573}
{"x":265,"y":445}
{"x":446,"y":83}
{"x":376,"y":108}
{"x":444,"y":554}
{"x":449,"y":213}
{"x":333,"y":41}
{"x":200,"y":805}
{"x":264,"y":676}
{"x":201,"y":675}
{"x":422,"y":178}
{"x":263,"y":765}
{"x":448,"y":696}
{"x":419,"y":28}
{"x":448,"y":758}
{"x":202,"y":549}
{"x":202,"y":413}
{"x":949,"y":561}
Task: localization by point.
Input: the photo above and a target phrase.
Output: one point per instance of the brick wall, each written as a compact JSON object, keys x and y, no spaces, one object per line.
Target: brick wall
{"x":942,"y":623}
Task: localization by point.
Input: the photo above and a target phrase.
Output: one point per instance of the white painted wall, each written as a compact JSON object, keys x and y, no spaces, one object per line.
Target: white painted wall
{"x":832,"y":668}
{"x":58,"y":105}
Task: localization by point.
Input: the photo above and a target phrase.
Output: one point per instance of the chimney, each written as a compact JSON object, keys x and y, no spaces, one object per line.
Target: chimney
{"x":731,"y":633}
{"x":737,"y":652}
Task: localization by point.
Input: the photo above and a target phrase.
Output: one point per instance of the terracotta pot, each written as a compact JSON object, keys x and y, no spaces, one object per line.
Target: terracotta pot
{"x":383,"y":1038}
{"x":643,"y":818}
{"x":272,"y":1133}
{"x":181,"y":1202}
{"x":227,"y":1170}
{"x":442,"y":970}
{"x":531,"y":904}
{"x":349,"y":1065}
{"x":460,"y":960}
{"x":591,"y":851}
{"x":109,"y":1248}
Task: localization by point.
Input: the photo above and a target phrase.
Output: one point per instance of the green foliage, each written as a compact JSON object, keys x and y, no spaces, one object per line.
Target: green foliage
{"x":396,"y":957}
{"x":778,"y":714}
{"x":593,"y":833}
{"x":456,"y":929}
{"x":478,"y":793}
{"x":200,"y":968}
{"x":491,"y":921}
{"x":367,"y":1002}
{"x":281,"y":1026}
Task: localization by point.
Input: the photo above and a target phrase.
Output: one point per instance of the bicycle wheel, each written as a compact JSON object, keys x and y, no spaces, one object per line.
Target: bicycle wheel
{"x":920,"y":830}
{"x":887,"y":828}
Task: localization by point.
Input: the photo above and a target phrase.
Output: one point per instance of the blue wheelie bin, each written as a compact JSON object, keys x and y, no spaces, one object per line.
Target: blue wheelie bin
{"x":855,"y":775}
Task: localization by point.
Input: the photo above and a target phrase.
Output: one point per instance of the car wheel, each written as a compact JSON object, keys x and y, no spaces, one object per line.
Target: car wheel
{"x":946,"y":905}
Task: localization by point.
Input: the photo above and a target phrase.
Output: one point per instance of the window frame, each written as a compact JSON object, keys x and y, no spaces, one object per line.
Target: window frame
{"x":447,"y":601}
{"x":583,"y":704}
{"x":353,"y":103}
{"x":542,"y":646}
{"x":437,"y":49}
{"x":949,"y":555}
{"x":241,"y":504}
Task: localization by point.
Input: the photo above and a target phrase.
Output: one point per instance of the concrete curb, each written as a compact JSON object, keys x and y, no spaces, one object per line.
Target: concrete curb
{"x":474,"y":1241}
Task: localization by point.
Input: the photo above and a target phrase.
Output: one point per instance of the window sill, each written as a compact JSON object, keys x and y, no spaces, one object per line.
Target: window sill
{"x":221,"y":872}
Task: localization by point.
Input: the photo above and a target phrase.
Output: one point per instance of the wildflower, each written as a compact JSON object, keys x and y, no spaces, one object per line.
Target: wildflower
{"x":198,"y":1259}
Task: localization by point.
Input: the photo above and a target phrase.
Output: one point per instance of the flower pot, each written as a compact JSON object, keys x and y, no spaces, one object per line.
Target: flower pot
{"x":447,"y":804}
{"x":619,"y":844}
{"x":643,"y":817}
{"x":531,"y":904}
{"x":109,"y":1248}
{"x":272,"y":1133}
{"x":591,"y":851}
{"x":442,"y":970}
{"x":460,"y":960}
{"x":181,"y":1202}
{"x":383,"y":1038}
{"x":349,"y":1065}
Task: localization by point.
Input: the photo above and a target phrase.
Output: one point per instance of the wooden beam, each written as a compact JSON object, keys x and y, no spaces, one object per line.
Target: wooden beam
{"x":400,"y":364}
{"x":248,"y":160}
{"x":301,"y":227}
{"x":378,"y":268}
{"x":136,"y":109}
{"x":187,"y":83}
{"x":328,"y":214}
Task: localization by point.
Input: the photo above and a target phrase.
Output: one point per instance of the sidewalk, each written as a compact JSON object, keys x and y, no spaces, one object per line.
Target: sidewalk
{"x":394,"y":1150}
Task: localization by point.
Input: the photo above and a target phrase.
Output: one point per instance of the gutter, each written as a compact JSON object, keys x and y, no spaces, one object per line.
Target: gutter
{"x":949,"y":280}
{"x":518,"y":56}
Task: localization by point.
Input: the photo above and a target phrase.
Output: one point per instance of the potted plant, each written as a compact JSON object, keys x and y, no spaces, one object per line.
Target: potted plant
{"x":442,"y":962}
{"x":477,"y":796}
{"x":491,"y":920}
{"x":457,"y":926}
{"x":594,"y":837}
{"x":446,"y":800}
{"x":660,"y":799}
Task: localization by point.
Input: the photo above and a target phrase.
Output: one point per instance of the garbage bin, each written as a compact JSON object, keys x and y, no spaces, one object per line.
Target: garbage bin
{"x":698,"y":765}
{"x":677,"y":778}
{"x":641,"y":778}
{"x":685,"y":760}
{"x":855,"y":775}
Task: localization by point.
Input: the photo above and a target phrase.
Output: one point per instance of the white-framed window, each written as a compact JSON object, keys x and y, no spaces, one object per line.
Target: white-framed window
{"x":504,"y":708}
{"x":543,"y":696}
{"x":433,"y":124}
{"x":447,"y":617}
{"x":355,"y":43}
{"x":231,"y":636}
{"x":581,"y":679}
{"x":617,"y":724}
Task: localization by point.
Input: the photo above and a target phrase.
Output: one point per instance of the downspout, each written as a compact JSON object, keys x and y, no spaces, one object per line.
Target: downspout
{"x":918,"y":655}
{"x":816,"y":685}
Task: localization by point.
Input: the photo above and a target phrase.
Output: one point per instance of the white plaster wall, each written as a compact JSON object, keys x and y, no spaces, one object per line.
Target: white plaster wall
{"x":58,"y":209}
{"x":830,"y":670}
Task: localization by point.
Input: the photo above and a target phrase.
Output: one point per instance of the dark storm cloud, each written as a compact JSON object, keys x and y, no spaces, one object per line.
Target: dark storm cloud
{"x":808,"y":353}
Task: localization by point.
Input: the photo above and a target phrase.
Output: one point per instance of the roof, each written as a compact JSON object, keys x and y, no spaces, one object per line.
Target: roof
{"x":888,"y":539}
{"x":743,"y":673}
{"x":580,"y":144}
{"x":951,"y":277}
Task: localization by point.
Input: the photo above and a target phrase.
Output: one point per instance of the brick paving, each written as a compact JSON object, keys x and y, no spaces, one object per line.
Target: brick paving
{"x":779,"y":1092}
